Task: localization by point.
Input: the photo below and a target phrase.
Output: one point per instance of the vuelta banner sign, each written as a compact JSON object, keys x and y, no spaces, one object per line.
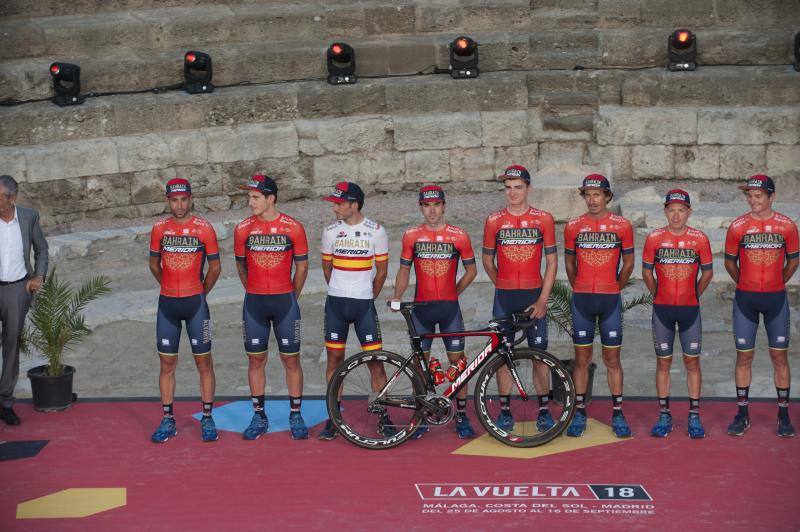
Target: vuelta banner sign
{"x":521,"y":491}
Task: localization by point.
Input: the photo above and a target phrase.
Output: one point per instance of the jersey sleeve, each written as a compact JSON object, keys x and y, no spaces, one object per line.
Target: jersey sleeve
{"x":627,"y":238}
{"x":569,"y":239}
{"x":381,"y":245}
{"x":792,"y":250}
{"x":706,"y":258}
{"x":649,"y":253}
{"x":732,"y":244}
{"x":239,"y":237}
{"x":549,"y":230}
{"x":489,"y":236}
{"x":155,"y":240}
{"x":407,"y":253}
{"x":210,"y":242}
{"x":326,"y":249}
{"x":465,"y":249}
{"x":299,"y":243}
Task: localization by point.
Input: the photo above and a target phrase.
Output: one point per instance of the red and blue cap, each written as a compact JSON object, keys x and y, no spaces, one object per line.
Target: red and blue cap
{"x":760,"y":182}
{"x":261,"y":183}
{"x":516,"y":171}
{"x":677,"y":195}
{"x":345,"y":191}
{"x":178,"y":187}
{"x":595,"y":181}
{"x":431,"y":193}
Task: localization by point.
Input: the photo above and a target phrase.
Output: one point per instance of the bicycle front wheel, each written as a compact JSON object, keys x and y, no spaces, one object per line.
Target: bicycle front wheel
{"x":521,"y":425}
{"x":364,"y":416}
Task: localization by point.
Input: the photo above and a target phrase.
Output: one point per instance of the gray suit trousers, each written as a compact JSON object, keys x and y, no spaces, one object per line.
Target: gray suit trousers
{"x":14,"y":304}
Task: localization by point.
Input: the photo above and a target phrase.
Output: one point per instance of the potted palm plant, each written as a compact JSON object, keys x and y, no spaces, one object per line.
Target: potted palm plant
{"x":56,"y":324}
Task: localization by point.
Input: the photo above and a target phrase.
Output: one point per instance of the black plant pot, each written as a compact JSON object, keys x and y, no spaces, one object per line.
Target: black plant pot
{"x":51,"y":394}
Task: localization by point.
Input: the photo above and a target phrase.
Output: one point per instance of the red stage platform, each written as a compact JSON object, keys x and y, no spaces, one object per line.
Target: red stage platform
{"x":98,"y":462}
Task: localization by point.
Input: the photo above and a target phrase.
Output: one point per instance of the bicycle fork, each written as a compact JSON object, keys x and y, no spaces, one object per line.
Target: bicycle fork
{"x":505,"y":352}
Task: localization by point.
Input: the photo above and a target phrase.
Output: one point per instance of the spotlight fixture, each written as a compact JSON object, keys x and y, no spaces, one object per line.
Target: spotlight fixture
{"x":682,"y":51}
{"x":341,"y":64}
{"x":797,"y":51}
{"x":66,"y":84}
{"x":463,"y":58}
{"x":197,"y":72}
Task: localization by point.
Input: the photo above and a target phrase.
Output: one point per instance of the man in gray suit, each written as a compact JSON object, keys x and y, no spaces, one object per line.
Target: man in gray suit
{"x":19,"y":230}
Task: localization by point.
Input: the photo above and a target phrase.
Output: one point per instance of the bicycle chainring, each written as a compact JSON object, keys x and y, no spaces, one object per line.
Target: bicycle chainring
{"x":444,"y":410}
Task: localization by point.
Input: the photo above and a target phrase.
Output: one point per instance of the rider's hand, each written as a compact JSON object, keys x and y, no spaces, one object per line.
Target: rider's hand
{"x":393,"y":300}
{"x":538,"y":309}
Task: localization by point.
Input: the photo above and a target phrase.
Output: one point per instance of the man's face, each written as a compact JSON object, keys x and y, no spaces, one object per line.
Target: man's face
{"x":759,"y":200}
{"x":258,"y":202}
{"x":432,"y":211}
{"x":596,"y":201}
{"x":677,"y":215}
{"x":516,"y":192}
{"x":6,"y":201}
{"x":345,"y":209}
{"x":180,"y":205}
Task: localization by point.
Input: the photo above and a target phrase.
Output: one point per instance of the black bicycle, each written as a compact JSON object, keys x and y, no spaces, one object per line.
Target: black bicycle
{"x":378,"y":399}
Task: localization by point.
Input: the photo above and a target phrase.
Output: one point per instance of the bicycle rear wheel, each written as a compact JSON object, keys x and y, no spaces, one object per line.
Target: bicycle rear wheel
{"x":526,"y":429}
{"x":359,"y":415}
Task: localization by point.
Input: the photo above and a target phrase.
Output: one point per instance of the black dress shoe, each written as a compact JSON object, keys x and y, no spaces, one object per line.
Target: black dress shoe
{"x":9,"y":416}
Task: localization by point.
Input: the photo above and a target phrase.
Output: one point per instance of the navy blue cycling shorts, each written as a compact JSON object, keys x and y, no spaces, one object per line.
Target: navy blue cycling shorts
{"x":747,"y":306}
{"x":340,"y":312}
{"x":590,"y":309}
{"x":445,"y":314}
{"x":507,"y":302}
{"x":172,"y":312}
{"x":690,"y":329}
{"x":260,"y":311}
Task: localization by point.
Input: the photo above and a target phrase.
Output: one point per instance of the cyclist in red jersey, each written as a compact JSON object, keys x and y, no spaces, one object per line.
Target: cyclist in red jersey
{"x":267,"y":245}
{"x":517,"y":237}
{"x":179,"y":247}
{"x":761,"y":255}
{"x":594,"y":245}
{"x":434,"y":249}
{"x":673,"y":258}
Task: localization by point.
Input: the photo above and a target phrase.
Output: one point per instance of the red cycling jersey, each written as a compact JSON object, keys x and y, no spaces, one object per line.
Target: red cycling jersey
{"x":183,"y":249}
{"x":599,"y":245}
{"x":518,"y":242}
{"x":435,"y":257}
{"x":761,"y":247}
{"x":677,"y":260}
{"x":267,"y":249}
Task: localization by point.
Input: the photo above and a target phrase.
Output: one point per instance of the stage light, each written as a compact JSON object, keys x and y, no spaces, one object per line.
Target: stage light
{"x":66,"y":84}
{"x":341,"y":64}
{"x":197,"y":72}
{"x":682,"y":50}
{"x":463,"y":58}
{"x":797,"y":51}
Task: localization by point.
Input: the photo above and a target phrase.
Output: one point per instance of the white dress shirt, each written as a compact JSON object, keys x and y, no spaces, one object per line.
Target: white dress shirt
{"x":12,"y":260}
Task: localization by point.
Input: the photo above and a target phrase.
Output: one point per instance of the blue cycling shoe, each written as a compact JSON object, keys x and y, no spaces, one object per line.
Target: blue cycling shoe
{"x":386,"y":427}
{"x":505,"y":421}
{"x":297,"y":426}
{"x":258,"y":426}
{"x":544,"y":421}
{"x":166,"y":429}
{"x":620,"y":426}
{"x":739,"y":425}
{"x":328,"y":432}
{"x":578,"y":425}
{"x":663,"y":427}
{"x":464,"y":428}
{"x":420,"y":432}
{"x":696,"y":430}
{"x":785,"y":428}
{"x":208,"y":430}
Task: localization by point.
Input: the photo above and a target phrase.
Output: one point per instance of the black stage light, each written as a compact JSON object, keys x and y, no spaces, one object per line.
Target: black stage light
{"x":463,"y":58}
{"x":797,"y":51}
{"x":197,"y":72}
{"x":682,"y":50}
{"x":66,"y":84}
{"x":341,"y":64}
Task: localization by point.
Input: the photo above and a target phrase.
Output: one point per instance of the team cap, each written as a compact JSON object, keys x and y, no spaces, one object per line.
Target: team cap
{"x":516,"y":171}
{"x":677,"y":195}
{"x":595,"y":181}
{"x":178,"y":187}
{"x":261,"y":183}
{"x":759,"y":181}
{"x":431,"y":193}
{"x":345,"y":191}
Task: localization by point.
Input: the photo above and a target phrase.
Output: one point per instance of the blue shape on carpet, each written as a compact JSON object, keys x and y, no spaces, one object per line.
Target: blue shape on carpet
{"x":235,"y":417}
